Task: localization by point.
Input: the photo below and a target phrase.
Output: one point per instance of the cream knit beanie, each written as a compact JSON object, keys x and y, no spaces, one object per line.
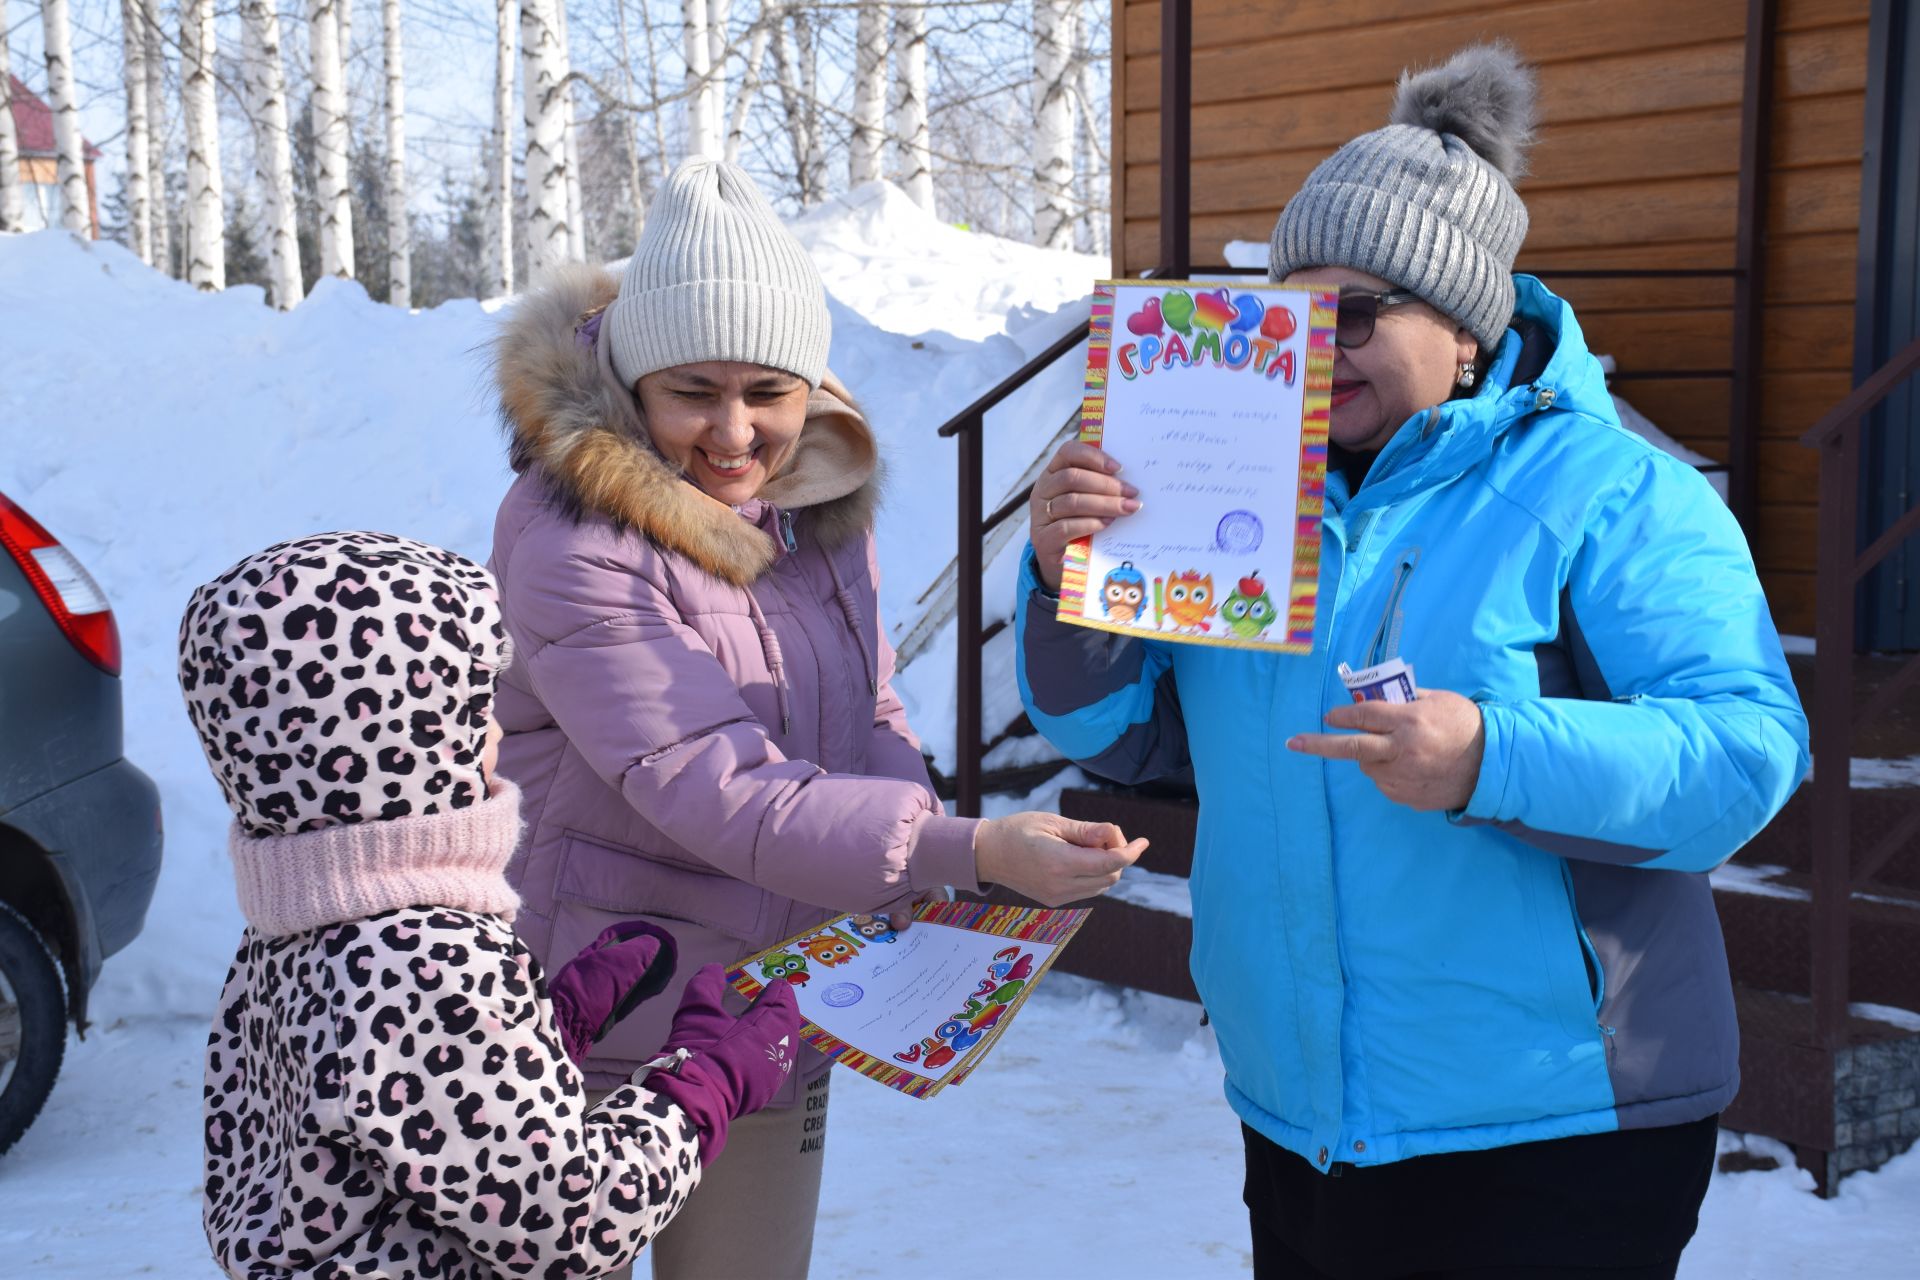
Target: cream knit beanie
{"x":716,"y":277}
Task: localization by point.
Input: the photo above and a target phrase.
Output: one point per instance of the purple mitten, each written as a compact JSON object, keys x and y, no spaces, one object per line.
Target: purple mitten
{"x":629,"y":962}
{"x":735,"y":1065}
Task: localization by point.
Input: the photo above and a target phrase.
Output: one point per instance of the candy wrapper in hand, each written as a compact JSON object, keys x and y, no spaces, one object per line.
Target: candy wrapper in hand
{"x":1389,"y":681}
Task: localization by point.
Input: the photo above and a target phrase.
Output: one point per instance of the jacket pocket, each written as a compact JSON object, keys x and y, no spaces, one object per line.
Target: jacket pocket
{"x":1576,"y":981}
{"x":1596,"y":973}
{"x":626,"y":882}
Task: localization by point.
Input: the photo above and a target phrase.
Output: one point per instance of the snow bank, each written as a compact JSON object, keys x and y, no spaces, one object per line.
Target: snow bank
{"x":906,"y":271}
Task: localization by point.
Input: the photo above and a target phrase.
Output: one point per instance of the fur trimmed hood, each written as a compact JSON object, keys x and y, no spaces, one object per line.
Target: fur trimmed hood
{"x":567,"y":413}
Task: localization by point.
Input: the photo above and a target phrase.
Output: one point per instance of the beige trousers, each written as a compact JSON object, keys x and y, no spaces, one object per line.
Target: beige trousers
{"x":751,"y":1218}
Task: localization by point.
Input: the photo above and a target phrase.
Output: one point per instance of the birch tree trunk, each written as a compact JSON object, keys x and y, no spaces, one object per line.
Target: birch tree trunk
{"x":543,"y":67}
{"x":816,"y":159}
{"x":133,"y":51}
{"x":869,"y":140}
{"x":343,"y":19}
{"x":910,"y":130}
{"x":272,"y":148}
{"x":330,"y":139}
{"x":159,"y":200}
{"x":1092,"y":156}
{"x":399,"y":229}
{"x":206,"y":198}
{"x":76,"y":211}
{"x":719,"y":15}
{"x":500,"y":158}
{"x":1053,"y":42}
{"x":702,"y":128}
{"x":638,"y":203}
{"x":756,"y":57}
{"x":576,"y":200}
{"x":576,"y":211}
{"x":786,"y":72}
{"x":13,"y":212}
{"x":653,"y":91}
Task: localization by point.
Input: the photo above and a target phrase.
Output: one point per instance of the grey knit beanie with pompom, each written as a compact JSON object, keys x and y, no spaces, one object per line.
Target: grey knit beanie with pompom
{"x":1428,"y":202}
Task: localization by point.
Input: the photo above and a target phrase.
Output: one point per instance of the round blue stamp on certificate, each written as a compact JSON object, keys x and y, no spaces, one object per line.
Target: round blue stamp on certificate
{"x":842,"y":995}
{"x":1239,"y":533}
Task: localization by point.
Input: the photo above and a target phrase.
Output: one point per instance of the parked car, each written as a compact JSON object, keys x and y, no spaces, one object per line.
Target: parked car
{"x":80,"y":830}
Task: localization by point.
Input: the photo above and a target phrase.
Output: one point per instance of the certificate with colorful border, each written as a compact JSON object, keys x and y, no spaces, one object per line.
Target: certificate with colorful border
{"x":916,"y":1010}
{"x":1214,"y":398}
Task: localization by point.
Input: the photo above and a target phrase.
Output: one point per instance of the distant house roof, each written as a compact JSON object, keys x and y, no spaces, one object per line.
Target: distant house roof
{"x":33,"y":121}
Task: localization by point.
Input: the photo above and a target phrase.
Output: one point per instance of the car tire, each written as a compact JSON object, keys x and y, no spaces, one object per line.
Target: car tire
{"x":33,"y":1025}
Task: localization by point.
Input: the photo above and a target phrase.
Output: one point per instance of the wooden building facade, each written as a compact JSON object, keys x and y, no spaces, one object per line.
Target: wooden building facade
{"x":1639,"y":167}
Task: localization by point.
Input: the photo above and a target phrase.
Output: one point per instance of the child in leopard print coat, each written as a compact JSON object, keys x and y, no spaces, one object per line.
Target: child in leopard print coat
{"x":387,"y":1093}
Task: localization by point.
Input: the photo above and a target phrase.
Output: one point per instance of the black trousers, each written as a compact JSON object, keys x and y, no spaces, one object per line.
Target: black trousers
{"x":1617,"y":1206}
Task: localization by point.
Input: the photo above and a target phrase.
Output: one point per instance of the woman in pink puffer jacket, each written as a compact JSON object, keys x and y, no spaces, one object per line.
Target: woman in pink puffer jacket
{"x":701,"y":715}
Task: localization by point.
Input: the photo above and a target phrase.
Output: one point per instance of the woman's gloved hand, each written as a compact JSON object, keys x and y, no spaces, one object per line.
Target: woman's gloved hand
{"x":629,"y":962}
{"x":729,"y":1067}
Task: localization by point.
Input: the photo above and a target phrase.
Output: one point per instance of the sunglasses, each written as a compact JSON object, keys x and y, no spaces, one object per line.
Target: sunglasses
{"x":1353,"y":326}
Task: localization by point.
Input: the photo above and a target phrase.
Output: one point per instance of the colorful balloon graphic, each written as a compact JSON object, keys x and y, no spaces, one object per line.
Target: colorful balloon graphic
{"x":1213,"y":311}
{"x":1177,"y":306}
{"x":1147,"y":320}
{"x":1278,"y":324}
{"x":1251,"y":309}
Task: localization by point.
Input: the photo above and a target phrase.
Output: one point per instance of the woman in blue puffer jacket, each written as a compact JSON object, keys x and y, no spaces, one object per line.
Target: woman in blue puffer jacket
{"x":1462,"y":955}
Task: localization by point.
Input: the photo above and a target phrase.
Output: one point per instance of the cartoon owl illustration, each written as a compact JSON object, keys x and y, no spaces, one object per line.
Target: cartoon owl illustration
{"x":1249,"y":610}
{"x":873,"y":928}
{"x":1123,"y":592}
{"x":782,"y":964}
{"x":1190,"y":601}
{"x":829,"y":949}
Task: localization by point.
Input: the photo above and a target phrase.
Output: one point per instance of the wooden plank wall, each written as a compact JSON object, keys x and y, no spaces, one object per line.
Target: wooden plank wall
{"x":1637,"y":166}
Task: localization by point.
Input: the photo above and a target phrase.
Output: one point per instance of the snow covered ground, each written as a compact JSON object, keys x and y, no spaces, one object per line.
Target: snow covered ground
{"x":1134,"y":1176}
{"x":163,"y":434}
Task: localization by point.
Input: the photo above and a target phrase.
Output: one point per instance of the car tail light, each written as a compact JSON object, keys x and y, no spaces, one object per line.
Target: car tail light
{"x":64,"y":586}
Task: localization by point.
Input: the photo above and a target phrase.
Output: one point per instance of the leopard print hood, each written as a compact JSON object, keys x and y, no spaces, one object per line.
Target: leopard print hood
{"x":567,"y":414}
{"x":343,"y":678}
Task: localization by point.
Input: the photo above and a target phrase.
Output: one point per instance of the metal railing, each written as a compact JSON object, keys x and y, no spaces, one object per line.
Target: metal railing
{"x":1841,"y":567}
{"x":970,"y":426}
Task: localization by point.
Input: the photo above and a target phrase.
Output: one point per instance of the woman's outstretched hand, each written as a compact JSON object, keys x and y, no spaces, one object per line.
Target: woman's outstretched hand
{"x":1078,"y":495}
{"x":1051,"y":859}
{"x":1423,"y":754}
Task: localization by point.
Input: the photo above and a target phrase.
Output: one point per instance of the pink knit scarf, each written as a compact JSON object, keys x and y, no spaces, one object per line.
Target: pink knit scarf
{"x":290,"y":884}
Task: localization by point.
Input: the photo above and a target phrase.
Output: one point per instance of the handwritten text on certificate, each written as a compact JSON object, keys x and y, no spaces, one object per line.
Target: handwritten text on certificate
{"x":1214,"y":398}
